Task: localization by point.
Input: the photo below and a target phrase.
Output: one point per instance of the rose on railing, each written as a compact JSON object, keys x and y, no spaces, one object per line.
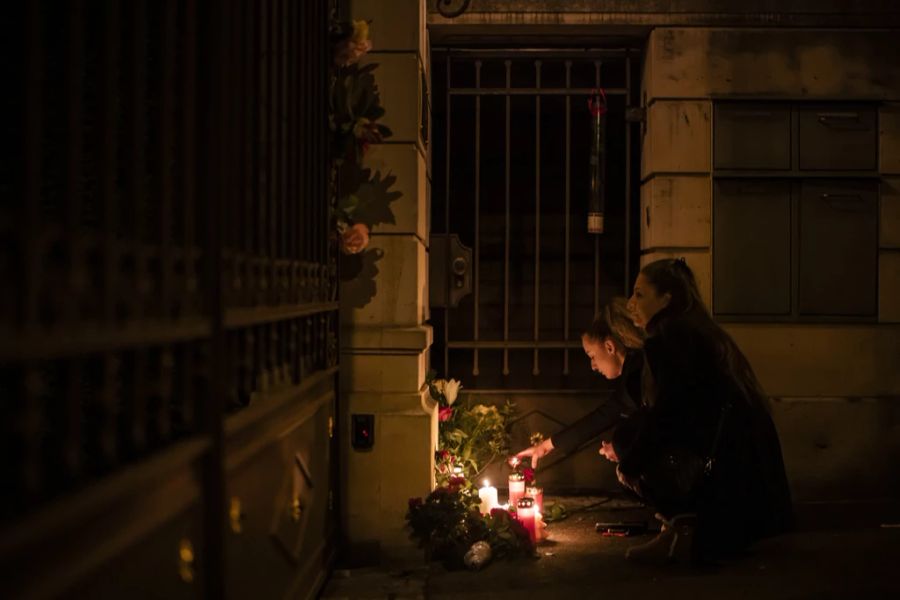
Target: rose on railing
{"x":362,"y":198}
{"x":351,"y":42}
{"x":355,"y":238}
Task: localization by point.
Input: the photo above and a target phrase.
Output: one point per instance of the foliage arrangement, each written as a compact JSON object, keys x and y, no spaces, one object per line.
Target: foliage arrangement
{"x":363,"y":197}
{"x":470,"y":437}
{"x":447,"y":522}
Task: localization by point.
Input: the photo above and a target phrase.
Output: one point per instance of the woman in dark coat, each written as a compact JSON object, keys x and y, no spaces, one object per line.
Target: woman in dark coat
{"x":612,"y":343}
{"x":704,"y":449}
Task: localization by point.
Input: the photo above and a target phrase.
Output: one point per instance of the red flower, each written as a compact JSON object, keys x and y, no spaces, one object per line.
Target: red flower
{"x":355,"y":239}
{"x":528,"y":472}
{"x":498,"y":513}
{"x":445,"y":413}
{"x":457,"y":481}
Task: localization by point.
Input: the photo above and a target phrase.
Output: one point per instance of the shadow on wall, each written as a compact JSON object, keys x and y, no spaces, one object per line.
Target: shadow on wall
{"x":358,"y":273}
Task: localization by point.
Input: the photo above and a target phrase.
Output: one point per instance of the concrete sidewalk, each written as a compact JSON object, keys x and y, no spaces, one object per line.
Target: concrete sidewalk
{"x":837,"y":551}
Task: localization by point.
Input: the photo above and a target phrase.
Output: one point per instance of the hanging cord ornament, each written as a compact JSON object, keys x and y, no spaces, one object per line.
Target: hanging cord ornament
{"x":598,"y":108}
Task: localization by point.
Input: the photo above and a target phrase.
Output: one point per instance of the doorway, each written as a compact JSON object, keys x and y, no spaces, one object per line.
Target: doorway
{"x":516,"y":276}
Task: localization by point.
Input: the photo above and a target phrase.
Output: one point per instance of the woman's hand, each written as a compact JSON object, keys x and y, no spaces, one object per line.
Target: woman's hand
{"x":537,"y":452}
{"x":608,"y":452}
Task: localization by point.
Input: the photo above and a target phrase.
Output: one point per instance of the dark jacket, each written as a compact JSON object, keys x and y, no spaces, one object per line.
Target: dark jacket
{"x":624,"y":400}
{"x":746,"y":495}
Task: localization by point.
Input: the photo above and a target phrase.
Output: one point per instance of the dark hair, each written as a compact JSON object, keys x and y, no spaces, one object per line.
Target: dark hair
{"x":674,"y":277}
{"x":614,"y":322}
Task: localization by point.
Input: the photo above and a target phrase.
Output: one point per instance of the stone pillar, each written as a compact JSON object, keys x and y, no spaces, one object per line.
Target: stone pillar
{"x":384,"y":337}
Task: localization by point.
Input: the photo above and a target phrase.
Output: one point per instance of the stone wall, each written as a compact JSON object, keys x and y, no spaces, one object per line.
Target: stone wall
{"x":385,"y":338}
{"x":836,"y":387}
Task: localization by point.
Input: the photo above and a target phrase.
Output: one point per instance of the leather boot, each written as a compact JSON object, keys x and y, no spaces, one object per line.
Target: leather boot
{"x":673,"y":544}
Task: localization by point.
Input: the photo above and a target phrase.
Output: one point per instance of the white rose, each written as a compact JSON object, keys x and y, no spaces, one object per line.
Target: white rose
{"x":451,"y":390}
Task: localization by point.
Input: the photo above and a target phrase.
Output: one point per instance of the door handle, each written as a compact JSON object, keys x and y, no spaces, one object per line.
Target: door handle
{"x":449,"y":270}
{"x":459,"y":267}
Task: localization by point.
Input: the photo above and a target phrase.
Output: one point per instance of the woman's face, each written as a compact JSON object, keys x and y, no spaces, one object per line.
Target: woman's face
{"x":603,"y":355}
{"x":645,"y":302}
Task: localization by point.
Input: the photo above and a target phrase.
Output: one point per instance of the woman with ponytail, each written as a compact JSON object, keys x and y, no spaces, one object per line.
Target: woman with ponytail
{"x":703,"y":449}
{"x":612,"y":343}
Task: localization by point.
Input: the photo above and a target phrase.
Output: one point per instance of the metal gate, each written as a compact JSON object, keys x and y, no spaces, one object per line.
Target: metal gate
{"x":168,"y":336}
{"x":515,"y":276}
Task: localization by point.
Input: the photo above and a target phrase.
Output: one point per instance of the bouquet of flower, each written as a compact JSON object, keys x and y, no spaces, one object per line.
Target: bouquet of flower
{"x":447,"y":523}
{"x":470,"y":437}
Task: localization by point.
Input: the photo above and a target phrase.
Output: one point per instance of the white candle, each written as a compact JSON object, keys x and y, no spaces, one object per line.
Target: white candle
{"x":488,"y":496}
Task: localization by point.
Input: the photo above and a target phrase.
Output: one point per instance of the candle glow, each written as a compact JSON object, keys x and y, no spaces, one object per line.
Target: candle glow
{"x":488,"y":496}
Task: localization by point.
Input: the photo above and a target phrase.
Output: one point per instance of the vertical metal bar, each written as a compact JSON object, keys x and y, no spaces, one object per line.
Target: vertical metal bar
{"x":138,"y":399}
{"x":568,"y":219}
{"x":188,"y":167}
{"x":320,"y":223}
{"x":167,"y":150}
{"x":447,"y":233}
{"x":248,"y":168}
{"x":272,"y":154}
{"x":30,"y":426}
{"x":283,"y":143}
{"x":75,"y":88}
{"x":477,"y":274}
{"x":109,"y":397}
{"x":166,"y":376}
{"x":137,"y":177}
{"x":109,"y":156}
{"x":261,"y":114}
{"x":535,"y":369}
{"x":293,"y":191}
{"x":34,"y":74}
{"x":508,"y":65}
{"x":303,"y":134}
{"x":597,"y":65}
{"x":73,"y":418}
{"x":217,"y":167}
{"x":628,"y":129}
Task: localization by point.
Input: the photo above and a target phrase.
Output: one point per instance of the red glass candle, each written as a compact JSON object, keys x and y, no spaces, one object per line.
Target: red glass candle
{"x":516,"y":488}
{"x":525,"y":515}
{"x":537,"y":494}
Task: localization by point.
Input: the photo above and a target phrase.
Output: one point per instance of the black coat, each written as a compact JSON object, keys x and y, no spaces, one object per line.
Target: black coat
{"x":746,"y":495}
{"x":624,"y":400}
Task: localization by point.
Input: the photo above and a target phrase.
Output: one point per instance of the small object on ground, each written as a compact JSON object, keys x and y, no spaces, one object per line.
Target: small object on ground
{"x":621,"y":528}
{"x":478,"y":555}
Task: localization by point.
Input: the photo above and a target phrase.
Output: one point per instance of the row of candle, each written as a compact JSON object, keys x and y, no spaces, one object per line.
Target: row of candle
{"x":528,"y":501}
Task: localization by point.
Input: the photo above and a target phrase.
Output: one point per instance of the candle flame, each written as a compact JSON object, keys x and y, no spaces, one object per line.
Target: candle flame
{"x":487,"y":483}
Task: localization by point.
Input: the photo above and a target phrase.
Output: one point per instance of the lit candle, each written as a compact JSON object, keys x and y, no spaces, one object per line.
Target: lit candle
{"x":537,"y":493}
{"x":516,"y":487}
{"x":488,"y":496}
{"x":525,"y":515}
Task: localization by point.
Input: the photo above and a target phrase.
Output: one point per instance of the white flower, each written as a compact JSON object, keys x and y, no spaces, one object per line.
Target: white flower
{"x":451,"y":390}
